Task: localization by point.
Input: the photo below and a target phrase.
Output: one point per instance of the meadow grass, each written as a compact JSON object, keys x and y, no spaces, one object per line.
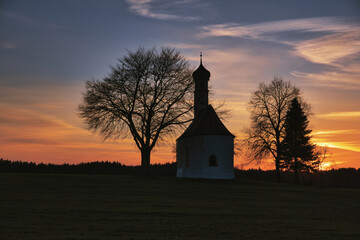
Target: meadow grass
{"x":55,"y":206}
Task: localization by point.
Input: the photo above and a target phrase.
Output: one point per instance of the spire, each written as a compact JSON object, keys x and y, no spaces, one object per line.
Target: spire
{"x":201,"y":71}
{"x":201,"y":77}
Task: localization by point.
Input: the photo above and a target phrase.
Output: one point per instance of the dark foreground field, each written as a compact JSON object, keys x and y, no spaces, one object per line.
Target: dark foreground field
{"x":45,"y":206}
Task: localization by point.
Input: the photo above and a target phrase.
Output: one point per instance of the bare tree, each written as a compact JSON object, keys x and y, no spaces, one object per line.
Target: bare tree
{"x":268,"y":107}
{"x":147,"y":94}
{"x":324,"y":163}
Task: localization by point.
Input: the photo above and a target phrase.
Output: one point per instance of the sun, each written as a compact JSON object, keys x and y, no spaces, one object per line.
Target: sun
{"x":326,"y":166}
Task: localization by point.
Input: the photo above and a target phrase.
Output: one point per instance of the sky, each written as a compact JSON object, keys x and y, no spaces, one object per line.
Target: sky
{"x":48,"y":49}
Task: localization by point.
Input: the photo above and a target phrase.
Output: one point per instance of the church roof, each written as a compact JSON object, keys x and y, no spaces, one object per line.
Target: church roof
{"x":208,"y":123}
{"x":201,"y":73}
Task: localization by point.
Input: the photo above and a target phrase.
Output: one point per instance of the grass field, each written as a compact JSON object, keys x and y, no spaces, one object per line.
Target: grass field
{"x":45,"y":206}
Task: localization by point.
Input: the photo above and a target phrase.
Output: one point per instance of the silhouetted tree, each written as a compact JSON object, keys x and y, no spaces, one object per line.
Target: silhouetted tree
{"x":268,"y":107}
{"x":297,"y":151}
{"x":323,"y":155}
{"x":147,"y":94}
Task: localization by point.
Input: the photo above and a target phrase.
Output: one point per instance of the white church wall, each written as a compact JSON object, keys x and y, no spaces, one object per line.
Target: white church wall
{"x":193,"y":154}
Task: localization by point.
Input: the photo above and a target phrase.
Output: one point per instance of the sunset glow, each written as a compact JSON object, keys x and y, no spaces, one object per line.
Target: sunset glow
{"x":49,"y":49}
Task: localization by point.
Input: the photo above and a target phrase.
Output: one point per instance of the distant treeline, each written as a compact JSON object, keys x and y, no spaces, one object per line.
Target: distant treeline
{"x":103,"y":167}
{"x":342,"y":178}
{"x":336,"y":178}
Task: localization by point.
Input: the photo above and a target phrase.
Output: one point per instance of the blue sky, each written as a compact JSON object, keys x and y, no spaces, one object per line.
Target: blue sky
{"x":48,"y":49}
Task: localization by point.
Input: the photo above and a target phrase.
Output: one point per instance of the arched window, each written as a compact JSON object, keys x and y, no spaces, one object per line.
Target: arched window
{"x":213,"y":161}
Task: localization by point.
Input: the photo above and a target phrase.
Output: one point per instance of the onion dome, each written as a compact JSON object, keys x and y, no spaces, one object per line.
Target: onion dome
{"x":201,"y":72}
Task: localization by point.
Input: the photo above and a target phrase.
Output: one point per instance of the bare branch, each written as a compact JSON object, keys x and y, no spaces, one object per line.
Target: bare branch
{"x":268,"y":106}
{"x":147,"y":94}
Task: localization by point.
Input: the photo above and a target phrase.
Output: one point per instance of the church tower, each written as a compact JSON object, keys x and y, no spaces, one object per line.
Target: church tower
{"x":201,"y":77}
{"x":206,"y":148}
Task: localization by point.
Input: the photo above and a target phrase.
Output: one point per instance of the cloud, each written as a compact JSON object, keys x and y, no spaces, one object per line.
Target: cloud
{"x":30,"y":135}
{"x":345,"y":78}
{"x":12,"y":117}
{"x":337,"y":49}
{"x":22,"y":115}
{"x":185,"y":45}
{"x":340,"y":37}
{"x":335,"y":132}
{"x":8,"y":45}
{"x":28,"y":20}
{"x":264,"y":30}
{"x":144,"y":8}
{"x":31,"y":141}
{"x":350,"y":146}
{"x":340,"y":115}
{"x":331,"y":48}
{"x":330,"y":138}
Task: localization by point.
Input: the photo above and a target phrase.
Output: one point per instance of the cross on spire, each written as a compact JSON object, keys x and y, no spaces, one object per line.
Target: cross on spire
{"x":200,"y":57}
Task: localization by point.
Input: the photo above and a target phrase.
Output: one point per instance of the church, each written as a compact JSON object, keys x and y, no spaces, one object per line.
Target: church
{"x":206,"y":148}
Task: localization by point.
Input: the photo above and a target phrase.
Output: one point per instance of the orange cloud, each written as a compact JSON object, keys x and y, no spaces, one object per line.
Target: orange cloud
{"x":351,"y":146}
{"x":33,"y":136}
{"x":352,"y":114}
{"x":344,"y":146}
{"x":333,"y":132}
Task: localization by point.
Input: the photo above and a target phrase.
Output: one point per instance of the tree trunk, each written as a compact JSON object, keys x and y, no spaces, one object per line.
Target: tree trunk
{"x":278,"y":154}
{"x":277,"y":166}
{"x":296,"y":171}
{"x":145,"y":161}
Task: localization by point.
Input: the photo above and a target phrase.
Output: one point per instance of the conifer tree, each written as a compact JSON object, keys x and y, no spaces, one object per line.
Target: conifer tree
{"x":268,"y":107}
{"x":297,"y":151}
